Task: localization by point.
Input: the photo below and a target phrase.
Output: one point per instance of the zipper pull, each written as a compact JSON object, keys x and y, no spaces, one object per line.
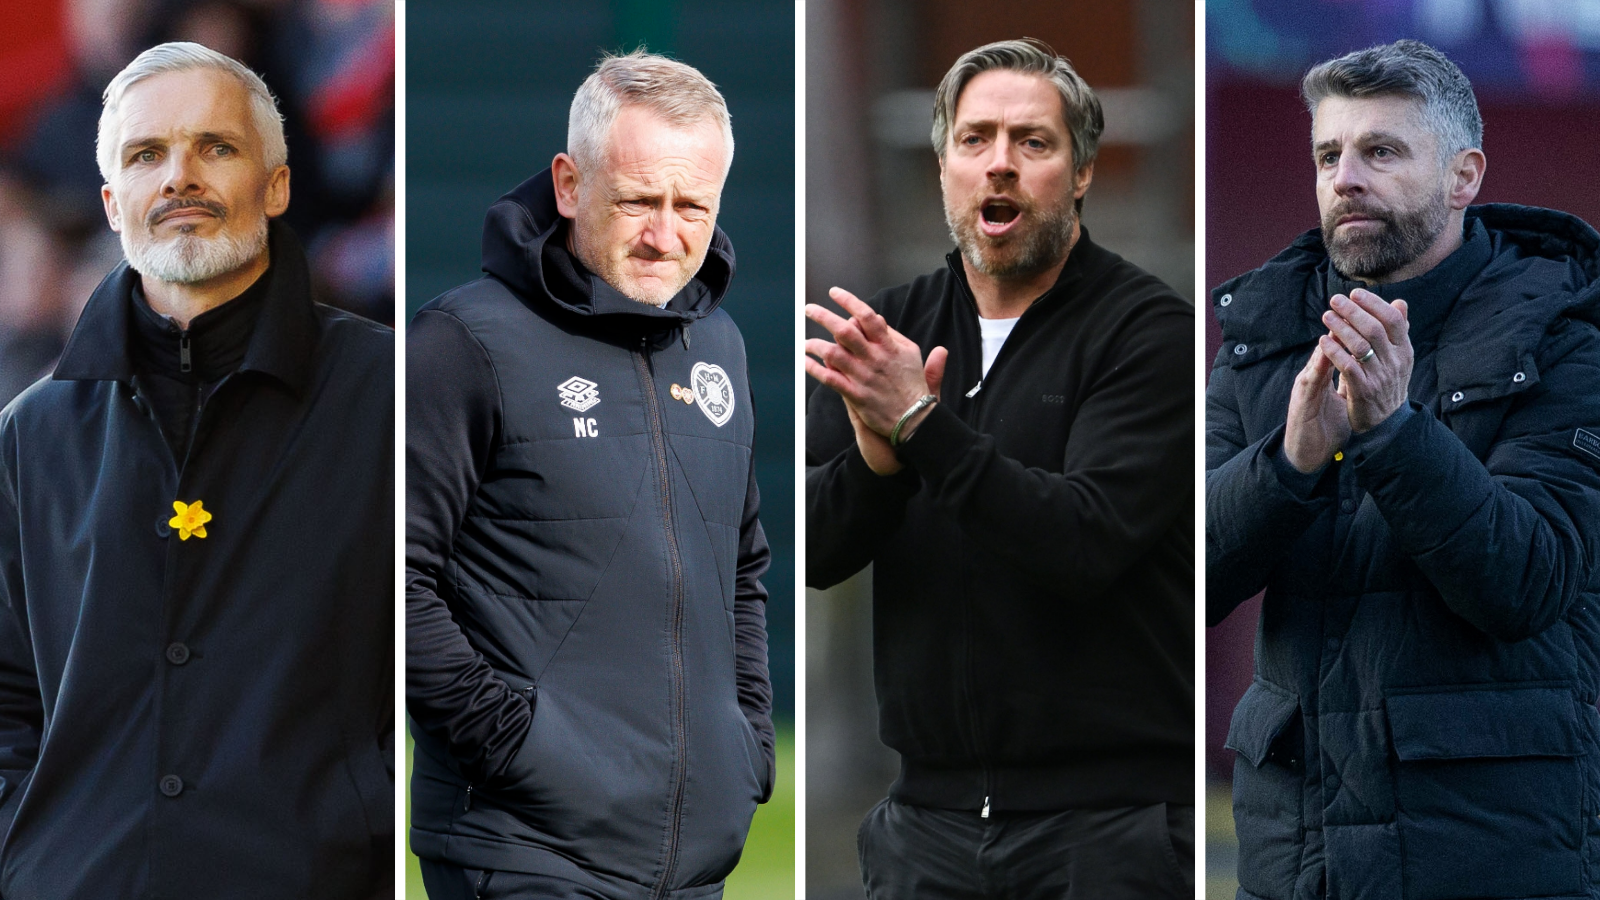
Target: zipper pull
{"x":468,"y":805}
{"x":185,"y":363}
{"x":981,"y":815}
{"x":975,"y":388}
{"x":685,"y":333}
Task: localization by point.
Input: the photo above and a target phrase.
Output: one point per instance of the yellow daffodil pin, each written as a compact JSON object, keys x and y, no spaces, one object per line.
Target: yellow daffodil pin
{"x":191,"y":518}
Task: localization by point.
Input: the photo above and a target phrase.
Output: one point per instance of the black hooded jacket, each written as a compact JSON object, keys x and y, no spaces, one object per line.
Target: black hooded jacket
{"x":211,"y":716}
{"x":1422,"y":720}
{"x":586,"y":637}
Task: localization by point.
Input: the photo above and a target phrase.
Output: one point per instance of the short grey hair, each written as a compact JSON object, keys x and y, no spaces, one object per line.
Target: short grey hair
{"x":184,"y":56}
{"x":1405,"y":69}
{"x":672,"y":90}
{"x":1080,"y":108}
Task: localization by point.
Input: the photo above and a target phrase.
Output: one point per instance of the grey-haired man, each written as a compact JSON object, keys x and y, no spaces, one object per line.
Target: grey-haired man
{"x":1403,"y":449}
{"x":196,"y":688}
{"x":586,"y":631}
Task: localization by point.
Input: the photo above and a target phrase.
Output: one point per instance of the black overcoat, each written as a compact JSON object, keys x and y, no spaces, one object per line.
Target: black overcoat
{"x":210,"y":717}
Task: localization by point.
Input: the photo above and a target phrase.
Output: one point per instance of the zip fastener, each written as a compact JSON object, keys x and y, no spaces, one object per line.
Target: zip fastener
{"x":972,"y":694}
{"x":467,"y":807}
{"x":680,"y":725}
{"x":185,"y":360}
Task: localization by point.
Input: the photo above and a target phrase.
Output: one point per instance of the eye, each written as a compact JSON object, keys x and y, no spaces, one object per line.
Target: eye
{"x":1034,"y":143}
{"x":223,"y":150}
{"x":144,"y":156}
{"x":1382,"y":153}
{"x":971,"y":140}
{"x":1328,"y":159}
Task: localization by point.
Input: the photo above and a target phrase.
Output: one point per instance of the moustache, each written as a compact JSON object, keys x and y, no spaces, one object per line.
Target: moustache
{"x":1350,"y":208}
{"x":163,"y":210}
{"x":652,"y":256}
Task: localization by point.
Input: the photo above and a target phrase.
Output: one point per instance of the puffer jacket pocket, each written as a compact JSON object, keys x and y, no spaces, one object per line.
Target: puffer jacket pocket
{"x":1489,"y":792}
{"x":1268,"y":780}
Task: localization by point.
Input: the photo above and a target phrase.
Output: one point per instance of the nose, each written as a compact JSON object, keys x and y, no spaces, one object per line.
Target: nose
{"x":660,"y":233}
{"x":1002,"y":163}
{"x":1349,"y":175}
{"x":180,"y":178}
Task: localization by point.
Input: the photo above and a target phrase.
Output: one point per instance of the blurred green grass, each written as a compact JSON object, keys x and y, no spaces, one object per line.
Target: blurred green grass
{"x":766,"y":870}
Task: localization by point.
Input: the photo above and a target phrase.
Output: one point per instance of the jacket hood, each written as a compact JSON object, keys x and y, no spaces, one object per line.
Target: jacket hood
{"x":1542,"y":263}
{"x":520,"y":224}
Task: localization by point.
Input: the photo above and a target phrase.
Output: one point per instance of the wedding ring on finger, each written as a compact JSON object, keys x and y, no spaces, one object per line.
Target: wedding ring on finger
{"x":1371,"y":352}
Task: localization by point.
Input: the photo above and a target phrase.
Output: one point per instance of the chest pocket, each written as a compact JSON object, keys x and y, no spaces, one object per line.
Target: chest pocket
{"x":557,"y":509}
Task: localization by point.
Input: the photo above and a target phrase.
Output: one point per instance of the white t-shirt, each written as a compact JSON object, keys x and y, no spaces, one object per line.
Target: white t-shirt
{"x":995,"y":332}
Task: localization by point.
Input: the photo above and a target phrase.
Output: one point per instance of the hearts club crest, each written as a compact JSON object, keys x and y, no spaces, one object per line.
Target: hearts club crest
{"x":713,"y":392}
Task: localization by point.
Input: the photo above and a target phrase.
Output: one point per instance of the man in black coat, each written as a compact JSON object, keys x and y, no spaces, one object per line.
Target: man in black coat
{"x":1030,"y":524}
{"x":196,"y":599}
{"x":1403,"y":449}
{"x":586,"y":666}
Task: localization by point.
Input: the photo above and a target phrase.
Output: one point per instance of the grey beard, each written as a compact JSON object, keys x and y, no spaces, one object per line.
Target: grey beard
{"x":1040,"y":249}
{"x":191,"y":259}
{"x":1405,"y":236}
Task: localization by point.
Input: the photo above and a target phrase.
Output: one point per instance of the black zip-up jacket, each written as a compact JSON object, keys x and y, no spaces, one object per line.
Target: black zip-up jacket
{"x":585,"y":631}
{"x":210,"y":717}
{"x":1033,"y":577}
{"x":1422,"y":719}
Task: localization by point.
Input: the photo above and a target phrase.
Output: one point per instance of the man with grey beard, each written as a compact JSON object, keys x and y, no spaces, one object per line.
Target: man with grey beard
{"x":196,"y":521}
{"x":1403,"y":450}
{"x":1009,"y":442}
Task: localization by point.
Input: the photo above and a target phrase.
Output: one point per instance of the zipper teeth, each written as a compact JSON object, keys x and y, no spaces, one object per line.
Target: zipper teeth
{"x":972,"y":693}
{"x":680,"y":725}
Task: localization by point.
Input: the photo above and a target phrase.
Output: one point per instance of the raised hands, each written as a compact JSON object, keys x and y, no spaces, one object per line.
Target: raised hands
{"x":879,"y":372}
{"x":1368,"y":343}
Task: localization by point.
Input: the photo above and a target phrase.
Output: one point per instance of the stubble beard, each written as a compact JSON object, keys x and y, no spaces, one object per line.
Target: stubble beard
{"x":1405,"y":236}
{"x":188,"y":258}
{"x":612,"y":270}
{"x":1039,"y":242}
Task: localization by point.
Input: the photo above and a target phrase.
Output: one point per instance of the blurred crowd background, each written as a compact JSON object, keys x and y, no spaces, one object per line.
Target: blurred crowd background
{"x":1535,"y":66}
{"x":875,"y":218}
{"x":330,"y":63}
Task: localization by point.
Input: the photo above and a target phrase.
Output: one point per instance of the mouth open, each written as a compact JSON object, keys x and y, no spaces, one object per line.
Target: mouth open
{"x":996,"y":217}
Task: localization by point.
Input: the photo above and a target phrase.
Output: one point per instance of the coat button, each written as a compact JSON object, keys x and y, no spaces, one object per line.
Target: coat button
{"x":1332,"y":781}
{"x":163,"y":530}
{"x":1519,"y":378}
{"x":171,"y":785}
{"x":1240,"y":349}
{"x":1226,"y":299}
{"x":1347,"y":505}
{"x":177,"y":653}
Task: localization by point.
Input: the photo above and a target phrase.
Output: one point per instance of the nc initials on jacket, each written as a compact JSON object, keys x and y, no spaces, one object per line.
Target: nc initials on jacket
{"x":585,"y":427}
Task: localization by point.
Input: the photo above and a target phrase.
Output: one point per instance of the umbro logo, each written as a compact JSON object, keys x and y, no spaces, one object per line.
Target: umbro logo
{"x":579,"y":393}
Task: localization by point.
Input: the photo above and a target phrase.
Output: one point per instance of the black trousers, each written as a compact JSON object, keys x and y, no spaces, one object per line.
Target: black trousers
{"x":917,"y":853}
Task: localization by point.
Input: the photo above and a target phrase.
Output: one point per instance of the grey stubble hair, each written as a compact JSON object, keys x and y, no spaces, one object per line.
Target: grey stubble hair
{"x":675,"y":91}
{"x":185,"y":56}
{"x":1405,"y":68}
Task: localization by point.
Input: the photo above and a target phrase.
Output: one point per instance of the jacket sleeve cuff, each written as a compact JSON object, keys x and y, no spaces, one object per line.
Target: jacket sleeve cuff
{"x":938,"y":444}
{"x":1375,"y":439}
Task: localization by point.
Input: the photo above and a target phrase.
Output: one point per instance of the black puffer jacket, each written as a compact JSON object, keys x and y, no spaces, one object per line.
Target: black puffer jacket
{"x":1422,"y":720}
{"x":586,"y":640}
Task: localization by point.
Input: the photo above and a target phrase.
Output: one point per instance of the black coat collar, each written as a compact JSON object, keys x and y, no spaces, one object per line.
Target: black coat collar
{"x":282,"y":346}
